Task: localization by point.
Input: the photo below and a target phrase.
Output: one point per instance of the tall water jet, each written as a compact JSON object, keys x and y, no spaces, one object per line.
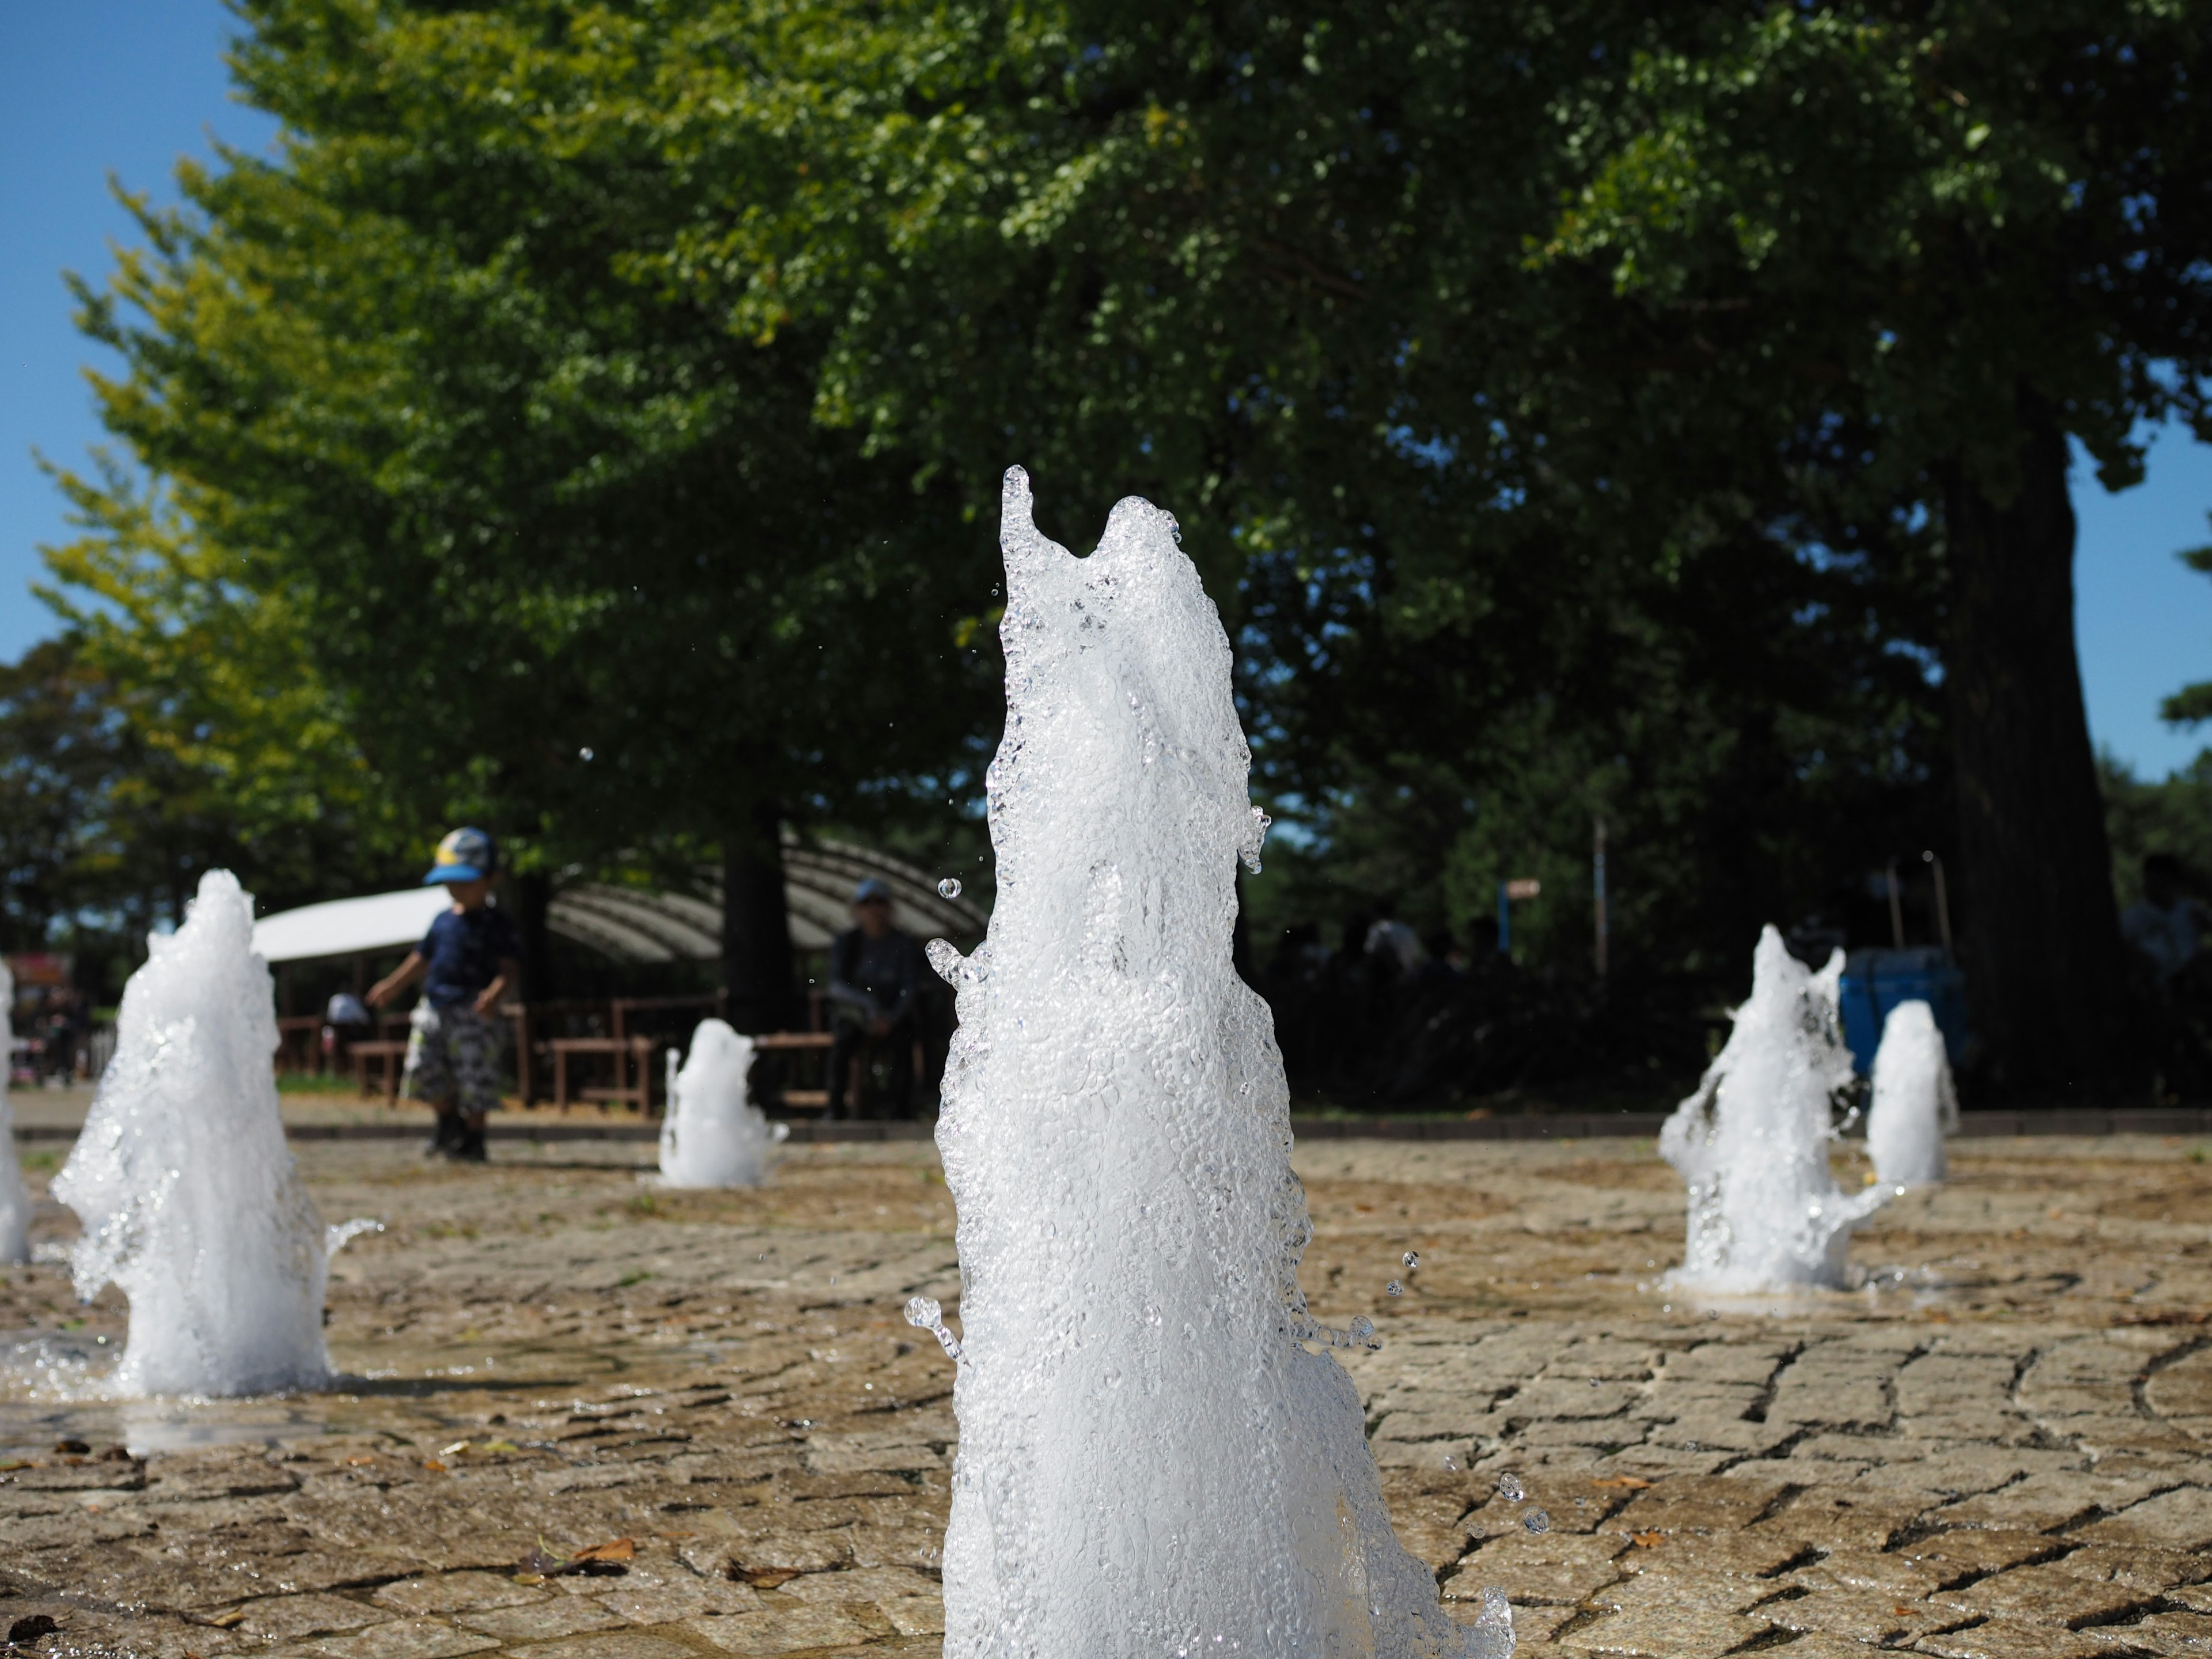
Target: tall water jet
{"x":14,"y":1202}
{"x":1752,"y":1144}
{"x":190,"y":1200}
{"x":1150,"y":1461}
{"x":1915,"y":1103}
{"x":713,"y":1134}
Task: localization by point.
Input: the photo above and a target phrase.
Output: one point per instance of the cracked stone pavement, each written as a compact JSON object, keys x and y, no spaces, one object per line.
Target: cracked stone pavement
{"x":1996,"y":1448}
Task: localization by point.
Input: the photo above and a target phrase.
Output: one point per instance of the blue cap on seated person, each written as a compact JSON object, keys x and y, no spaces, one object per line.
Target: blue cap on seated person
{"x":465,"y":855}
{"x":871,"y":889}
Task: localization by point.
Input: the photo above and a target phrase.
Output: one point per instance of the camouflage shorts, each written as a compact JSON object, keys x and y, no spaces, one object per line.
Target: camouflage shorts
{"x":452,"y":1056}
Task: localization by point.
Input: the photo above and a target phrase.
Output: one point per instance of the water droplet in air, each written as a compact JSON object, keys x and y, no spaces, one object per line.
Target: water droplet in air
{"x":1536,"y":1521}
{"x":949,"y":888}
{"x":583,"y":754}
{"x":1510,"y":1488}
{"x":1412,"y":1259}
{"x":926,"y":1312}
{"x":1394,"y":1288}
{"x":1362,"y":1332}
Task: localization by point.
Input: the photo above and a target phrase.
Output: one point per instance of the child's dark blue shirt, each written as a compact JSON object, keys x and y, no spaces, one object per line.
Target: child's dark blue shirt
{"x":463,"y":950}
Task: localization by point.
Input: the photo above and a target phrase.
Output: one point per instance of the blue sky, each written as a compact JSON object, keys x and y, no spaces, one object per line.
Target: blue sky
{"x":88,"y":88}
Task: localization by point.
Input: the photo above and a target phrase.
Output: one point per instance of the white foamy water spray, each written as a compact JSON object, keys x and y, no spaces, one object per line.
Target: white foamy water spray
{"x":190,"y":1200}
{"x":1915,"y":1105}
{"x":1752,"y":1144}
{"x":15,"y":1201}
{"x":1149,"y":1460}
{"x":713,"y":1135}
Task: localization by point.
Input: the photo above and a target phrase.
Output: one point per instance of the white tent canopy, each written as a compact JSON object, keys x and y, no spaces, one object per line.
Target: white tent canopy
{"x":343,"y":928}
{"x":637,"y":924}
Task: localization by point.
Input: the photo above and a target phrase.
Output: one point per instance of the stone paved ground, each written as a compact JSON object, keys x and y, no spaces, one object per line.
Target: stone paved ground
{"x":2000,"y":1448}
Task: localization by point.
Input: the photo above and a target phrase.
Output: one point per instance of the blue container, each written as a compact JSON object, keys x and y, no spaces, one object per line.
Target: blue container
{"x":1875,"y":982}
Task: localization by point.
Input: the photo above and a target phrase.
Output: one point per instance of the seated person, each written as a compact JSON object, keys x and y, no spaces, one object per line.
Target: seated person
{"x":875,"y":985}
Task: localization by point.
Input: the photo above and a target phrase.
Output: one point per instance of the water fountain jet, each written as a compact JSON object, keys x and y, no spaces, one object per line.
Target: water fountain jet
{"x":1752,"y":1144}
{"x":1915,"y":1103}
{"x":190,"y":1200}
{"x":15,"y":1201}
{"x":713,"y":1134}
{"x":1149,"y":1459}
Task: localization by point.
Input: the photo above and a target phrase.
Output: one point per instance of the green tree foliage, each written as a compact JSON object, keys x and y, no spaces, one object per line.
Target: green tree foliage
{"x":2171,"y":815}
{"x":1578,"y":410}
{"x":1973,"y":230}
{"x":568,"y":553}
{"x":2192,"y":704}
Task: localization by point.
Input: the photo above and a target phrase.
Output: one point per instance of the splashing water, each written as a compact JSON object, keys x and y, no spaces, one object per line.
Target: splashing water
{"x":1915,"y":1105}
{"x":15,"y":1201}
{"x":713,"y":1134}
{"x":1394,"y":1288}
{"x":1752,"y":1144}
{"x":949,"y":888}
{"x":337,"y":1238}
{"x":1149,"y":1459}
{"x":1536,"y":1521}
{"x":928,"y":1314}
{"x":1510,"y":1489}
{"x":190,"y":1200}
{"x":1411,"y":1259}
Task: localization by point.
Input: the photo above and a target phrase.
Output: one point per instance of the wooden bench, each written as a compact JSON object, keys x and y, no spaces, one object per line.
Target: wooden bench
{"x":390,"y":1056}
{"x":300,"y":1044}
{"x":625,"y":1052}
{"x":800,"y":1042}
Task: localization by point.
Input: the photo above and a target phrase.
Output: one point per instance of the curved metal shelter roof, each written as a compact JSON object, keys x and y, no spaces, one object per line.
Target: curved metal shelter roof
{"x":642,"y":924}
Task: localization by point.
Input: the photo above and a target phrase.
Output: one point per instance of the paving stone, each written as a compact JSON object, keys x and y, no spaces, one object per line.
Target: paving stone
{"x":790,"y":1630}
{"x":615,"y":1644}
{"x":914,"y":1615}
{"x":2162,"y":1633}
{"x":776,"y":1450}
{"x":2177,"y":1520}
{"x":1668,"y":1630}
{"x":2141,"y":1568}
{"x":2045,"y":1596}
{"x":2000,"y":1640}
{"x":862,"y":1585}
{"x":1876,"y":1618}
{"x":537,"y":1621}
{"x":404,"y":1638}
{"x":1556,"y":1568}
{"x":280,"y":1617}
{"x":452,"y":1592}
{"x":1963,"y":1550}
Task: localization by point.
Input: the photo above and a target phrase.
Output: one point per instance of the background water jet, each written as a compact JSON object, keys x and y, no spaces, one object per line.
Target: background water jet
{"x":1752,"y":1144}
{"x":15,"y":1201}
{"x":190,"y":1200}
{"x":1915,"y":1103}
{"x":1149,"y":1460}
{"x":713,"y":1134}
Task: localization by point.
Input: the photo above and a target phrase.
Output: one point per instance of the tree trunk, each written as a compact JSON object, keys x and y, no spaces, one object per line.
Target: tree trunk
{"x":2042,"y":941}
{"x":755,"y":927}
{"x":533,"y":904}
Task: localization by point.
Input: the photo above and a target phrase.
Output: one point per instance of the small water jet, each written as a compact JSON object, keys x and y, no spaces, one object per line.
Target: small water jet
{"x":1915,"y":1103}
{"x":713,"y":1134}
{"x":190,"y":1200}
{"x":1149,"y":1459}
{"x":1752,"y":1144}
{"x":15,"y":1201}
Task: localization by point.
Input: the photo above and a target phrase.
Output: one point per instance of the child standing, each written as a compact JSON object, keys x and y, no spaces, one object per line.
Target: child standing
{"x":469,"y":960}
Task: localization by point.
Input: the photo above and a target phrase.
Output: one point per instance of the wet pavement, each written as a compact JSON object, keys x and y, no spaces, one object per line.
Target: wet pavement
{"x":584,"y":1417}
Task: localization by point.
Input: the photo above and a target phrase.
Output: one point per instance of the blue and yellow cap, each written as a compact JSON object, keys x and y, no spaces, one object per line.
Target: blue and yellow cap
{"x":464,"y":855}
